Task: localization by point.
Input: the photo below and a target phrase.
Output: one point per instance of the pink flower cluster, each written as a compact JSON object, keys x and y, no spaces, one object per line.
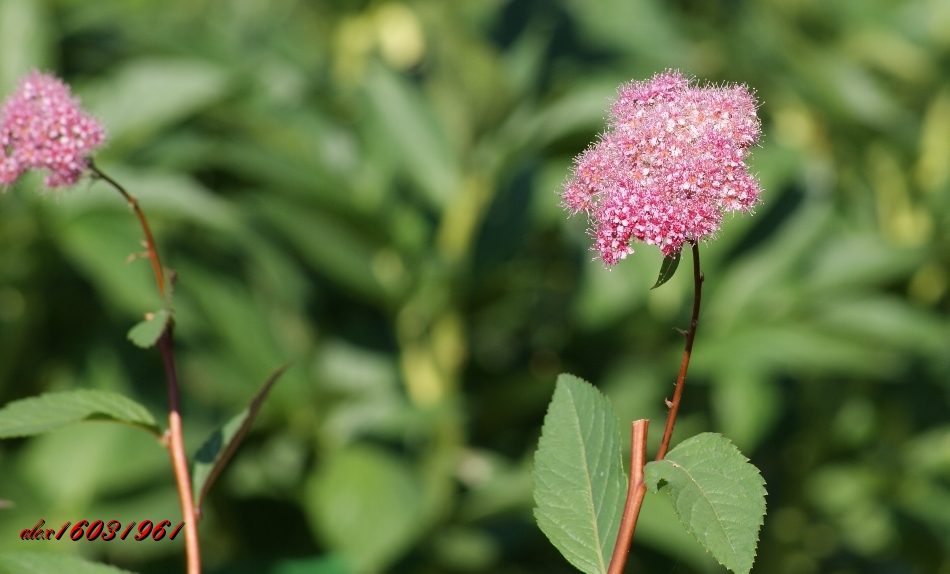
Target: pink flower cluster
{"x":669,"y":166}
{"x":43,"y":127}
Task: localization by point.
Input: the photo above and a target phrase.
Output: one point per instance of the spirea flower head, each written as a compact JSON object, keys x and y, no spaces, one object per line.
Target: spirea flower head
{"x":669,"y":166}
{"x":43,"y":127}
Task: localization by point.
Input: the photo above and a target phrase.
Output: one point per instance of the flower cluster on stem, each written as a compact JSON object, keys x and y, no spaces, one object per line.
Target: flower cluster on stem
{"x":43,"y":127}
{"x":669,"y":166}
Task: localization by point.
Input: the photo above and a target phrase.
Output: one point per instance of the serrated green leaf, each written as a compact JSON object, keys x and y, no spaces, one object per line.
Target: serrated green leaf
{"x":215,"y":453}
{"x":579,"y":482}
{"x":36,"y":415}
{"x":146,"y":333}
{"x":670,"y":263}
{"x":48,"y":563}
{"x":717,"y":493}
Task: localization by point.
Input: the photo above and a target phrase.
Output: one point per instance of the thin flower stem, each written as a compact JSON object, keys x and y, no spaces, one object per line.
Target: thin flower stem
{"x":635,"y":492}
{"x":690,"y":335}
{"x":637,"y":488}
{"x":166,"y":344}
{"x":151,"y":250}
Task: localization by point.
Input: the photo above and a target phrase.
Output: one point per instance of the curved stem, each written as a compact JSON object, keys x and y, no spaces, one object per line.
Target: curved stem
{"x":635,"y":492}
{"x":166,"y":344}
{"x":151,"y":251}
{"x":684,"y":365}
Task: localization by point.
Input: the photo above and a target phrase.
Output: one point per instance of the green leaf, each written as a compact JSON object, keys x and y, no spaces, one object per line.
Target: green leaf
{"x":49,"y":563}
{"x":367,"y":505}
{"x":36,"y":415}
{"x":718,"y":495}
{"x":659,"y":528}
{"x":215,"y":453}
{"x":670,"y":263}
{"x":579,"y":482}
{"x":146,"y":333}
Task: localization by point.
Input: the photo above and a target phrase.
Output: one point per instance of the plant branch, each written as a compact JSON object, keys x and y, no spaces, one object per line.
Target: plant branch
{"x":176,"y":448}
{"x":635,"y":492}
{"x":166,"y":344}
{"x":684,"y":365}
{"x":151,"y":250}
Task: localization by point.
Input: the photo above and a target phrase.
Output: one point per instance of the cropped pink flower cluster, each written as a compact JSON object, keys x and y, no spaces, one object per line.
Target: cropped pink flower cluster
{"x":43,"y":127}
{"x":669,"y":166}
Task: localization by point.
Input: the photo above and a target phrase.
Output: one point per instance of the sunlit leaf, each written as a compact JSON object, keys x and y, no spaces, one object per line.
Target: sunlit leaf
{"x":659,"y":528}
{"x":579,"y":482}
{"x":718,"y":495}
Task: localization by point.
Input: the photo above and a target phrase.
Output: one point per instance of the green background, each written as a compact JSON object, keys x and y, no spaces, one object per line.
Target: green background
{"x":370,"y":189}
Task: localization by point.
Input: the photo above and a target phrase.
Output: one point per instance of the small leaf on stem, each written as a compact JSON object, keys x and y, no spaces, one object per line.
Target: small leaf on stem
{"x":717,"y":493}
{"x":215,"y":453}
{"x":668,"y":268}
{"x":35,"y":415}
{"x":146,"y":333}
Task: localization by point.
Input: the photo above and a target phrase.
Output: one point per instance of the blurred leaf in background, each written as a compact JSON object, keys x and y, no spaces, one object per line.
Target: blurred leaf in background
{"x":369,"y":189}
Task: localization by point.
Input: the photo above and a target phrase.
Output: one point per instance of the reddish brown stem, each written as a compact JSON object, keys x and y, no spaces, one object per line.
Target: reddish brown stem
{"x":635,"y":492}
{"x":149,"y":240}
{"x":684,"y":365}
{"x":637,"y":489}
{"x":166,"y":344}
{"x":176,"y":448}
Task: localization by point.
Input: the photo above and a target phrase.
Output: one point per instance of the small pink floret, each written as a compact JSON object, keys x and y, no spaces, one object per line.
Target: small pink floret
{"x":671,"y":163}
{"x":43,"y":127}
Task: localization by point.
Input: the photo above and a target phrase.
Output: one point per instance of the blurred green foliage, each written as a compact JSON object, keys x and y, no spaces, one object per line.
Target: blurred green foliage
{"x":369,"y":189}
